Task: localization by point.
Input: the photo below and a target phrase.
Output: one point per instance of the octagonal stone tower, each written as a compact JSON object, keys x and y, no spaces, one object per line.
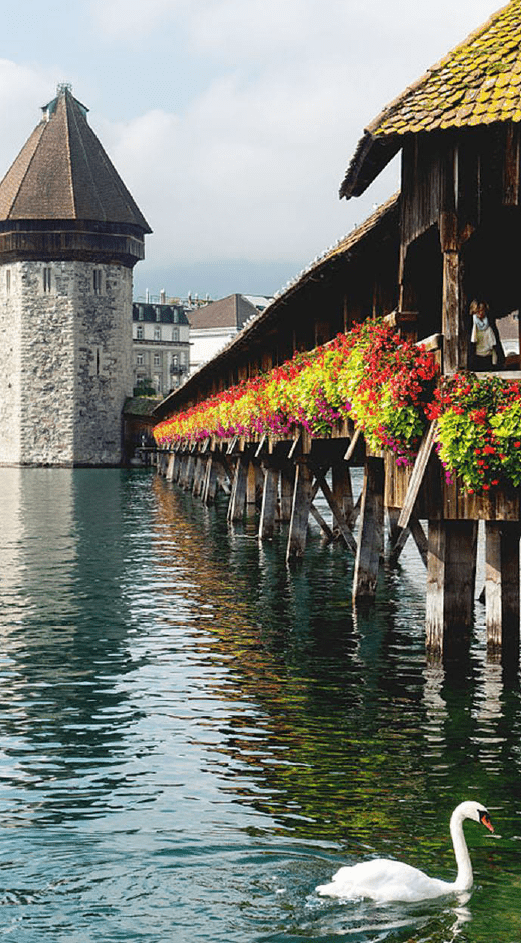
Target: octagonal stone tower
{"x":70,"y":235}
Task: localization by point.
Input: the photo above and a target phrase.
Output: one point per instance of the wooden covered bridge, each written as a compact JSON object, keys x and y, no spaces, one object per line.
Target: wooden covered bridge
{"x":452,"y":235}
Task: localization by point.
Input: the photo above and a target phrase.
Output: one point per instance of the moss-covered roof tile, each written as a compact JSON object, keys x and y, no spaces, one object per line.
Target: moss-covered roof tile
{"x":488,"y":62}
{"x":479,"y":82}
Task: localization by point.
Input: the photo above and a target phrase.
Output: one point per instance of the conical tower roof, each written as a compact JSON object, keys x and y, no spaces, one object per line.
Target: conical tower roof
{"x":64,"y":173}
{"x":478,"y":83}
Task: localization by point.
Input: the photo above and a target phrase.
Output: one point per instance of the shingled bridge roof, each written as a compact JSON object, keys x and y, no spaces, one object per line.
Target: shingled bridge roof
{"x":477,"y":83}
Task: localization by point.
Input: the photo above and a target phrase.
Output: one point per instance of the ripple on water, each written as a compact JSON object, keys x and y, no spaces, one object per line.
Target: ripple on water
{"x":195,"y":736}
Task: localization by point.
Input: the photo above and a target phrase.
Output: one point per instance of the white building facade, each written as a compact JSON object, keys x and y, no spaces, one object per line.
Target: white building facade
{"x":161,"y":347}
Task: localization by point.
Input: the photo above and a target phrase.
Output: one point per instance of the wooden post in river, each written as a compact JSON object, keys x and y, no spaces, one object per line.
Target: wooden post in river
{"x":502,"y":588}
{"x":371,"y":536}
{"x":451,"y":579}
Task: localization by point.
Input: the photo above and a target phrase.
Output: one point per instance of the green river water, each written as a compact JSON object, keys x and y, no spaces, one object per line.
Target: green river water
{"x":194,"y":736}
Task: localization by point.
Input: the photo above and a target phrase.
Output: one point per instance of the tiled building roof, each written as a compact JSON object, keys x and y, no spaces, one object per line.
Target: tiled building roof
{"x":478,"y":83}
{"x":63,"y":172}
{"x":232,"y":311}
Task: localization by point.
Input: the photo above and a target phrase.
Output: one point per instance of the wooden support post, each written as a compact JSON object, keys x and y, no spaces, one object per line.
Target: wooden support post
{"x":198,"y":476}
{"x":453,"y":327}
{"x":371,"y":535}
{"x":188,"y":482}
{"x":342,"y":489}
{"x":175,"y":466}
{"x":300,"y":509}
{"x":237,"y":503}
{"x":419,"y":538}
{"x":451,"y":579}
{"x":210,"y":481}
{"x":287,"y":484}
{"x":251,"y":489}
{"x":227,"y":472}
{"x":269,"y":502}
{"x":324,"y":526}
{"x":338,"y":515}
{"x":401,"y":530}
{"x":183,"y":458}
{"x":502,"y":589}
{"x":393,"y":516}
{"x":170,"y":467}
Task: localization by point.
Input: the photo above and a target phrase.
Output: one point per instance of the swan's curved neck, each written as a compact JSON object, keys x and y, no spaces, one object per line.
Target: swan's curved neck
{"x":464,"y":877}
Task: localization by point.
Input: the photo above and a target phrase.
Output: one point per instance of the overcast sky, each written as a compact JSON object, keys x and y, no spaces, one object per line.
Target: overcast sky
{"x":231,"y":121}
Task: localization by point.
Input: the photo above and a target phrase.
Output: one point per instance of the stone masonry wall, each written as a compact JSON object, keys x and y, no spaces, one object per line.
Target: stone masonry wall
{"x":10,"y":372}
{"x":66,"y":331}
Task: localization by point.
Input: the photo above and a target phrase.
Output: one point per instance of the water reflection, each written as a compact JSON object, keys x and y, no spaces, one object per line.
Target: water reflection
{"x":197,"y":735}
{"x":354,"y":739}
{"x":347,"y":709}
{"x":65,"y":623}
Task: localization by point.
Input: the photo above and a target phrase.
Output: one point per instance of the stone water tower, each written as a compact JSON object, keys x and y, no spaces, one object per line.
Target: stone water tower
{"x":70,"y":235}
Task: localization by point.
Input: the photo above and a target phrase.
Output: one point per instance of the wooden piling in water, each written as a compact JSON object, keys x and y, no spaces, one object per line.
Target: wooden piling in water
{"x":371,"y":534}
{"x":261,"y":476}
{"x":300,"y":509}
{"x":502,"y":588}
{"x":269,"y":507}
{"x":451,"y":580}
{"x":237,"y":502}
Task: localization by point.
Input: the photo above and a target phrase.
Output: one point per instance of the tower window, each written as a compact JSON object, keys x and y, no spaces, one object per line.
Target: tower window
{"x":96,"y":281}
{"x":46,"y":279}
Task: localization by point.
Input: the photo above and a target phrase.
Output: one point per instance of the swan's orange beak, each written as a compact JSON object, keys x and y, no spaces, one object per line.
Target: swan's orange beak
{"x":484,"y":818}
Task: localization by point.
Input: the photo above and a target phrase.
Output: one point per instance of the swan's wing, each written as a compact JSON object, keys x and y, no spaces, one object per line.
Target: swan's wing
{"x":384,"y":879}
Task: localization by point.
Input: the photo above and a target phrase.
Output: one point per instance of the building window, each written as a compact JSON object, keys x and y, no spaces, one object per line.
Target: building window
{"x":96,"y":281}
{"x":157,"y":360}
{"x":175,"y":333}
{"x":46,"y":279}
{"x":139,"y":332}
{"x":7,"y":281}
{"x":139,"y":360}
{"x":157,"y":384}
{"x":157,"y":333}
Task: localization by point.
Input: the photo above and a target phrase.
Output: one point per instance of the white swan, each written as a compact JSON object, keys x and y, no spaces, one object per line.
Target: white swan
{"x":385,"y":879}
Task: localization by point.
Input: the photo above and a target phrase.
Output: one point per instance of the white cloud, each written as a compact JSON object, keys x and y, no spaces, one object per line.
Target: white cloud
{"x":253,"y":109}
{"x":121,"y":20}
{"x":22,"y":90}
{"x":251,"y":165}
{"x":233,"y":175}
